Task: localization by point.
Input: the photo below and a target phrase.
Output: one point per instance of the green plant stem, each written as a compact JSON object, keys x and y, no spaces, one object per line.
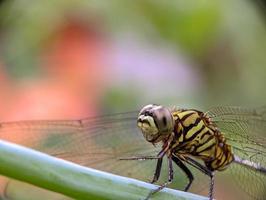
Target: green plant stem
{"x":73,"y":180}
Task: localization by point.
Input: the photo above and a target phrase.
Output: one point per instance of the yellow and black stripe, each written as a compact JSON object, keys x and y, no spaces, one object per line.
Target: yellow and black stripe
{"x":195,"y":136}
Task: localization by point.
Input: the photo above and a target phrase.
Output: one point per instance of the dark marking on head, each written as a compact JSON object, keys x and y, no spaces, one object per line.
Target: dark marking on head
{"x":164,"y":121}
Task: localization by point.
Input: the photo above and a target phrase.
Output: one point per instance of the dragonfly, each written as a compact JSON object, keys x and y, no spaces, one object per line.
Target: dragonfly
{"x":134,"y":144}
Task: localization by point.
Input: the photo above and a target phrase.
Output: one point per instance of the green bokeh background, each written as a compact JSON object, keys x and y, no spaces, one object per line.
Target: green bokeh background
{"x":217,"y":47}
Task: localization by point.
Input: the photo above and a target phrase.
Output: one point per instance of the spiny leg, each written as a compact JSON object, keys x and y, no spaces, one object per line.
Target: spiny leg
{"x":159,"y":155}
{"x":198,"y":166}
{"x":157,"y":170}
{"x":140,"y":158}
{"x":184,"y":168}
{"x":205,"y":170}
{"x":170,"y":179}
{"x":211,"y":192}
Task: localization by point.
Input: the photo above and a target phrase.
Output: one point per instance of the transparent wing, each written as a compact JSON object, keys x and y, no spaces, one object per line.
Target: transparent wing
{"x":245,"y":130}
{"x":94,"y":142}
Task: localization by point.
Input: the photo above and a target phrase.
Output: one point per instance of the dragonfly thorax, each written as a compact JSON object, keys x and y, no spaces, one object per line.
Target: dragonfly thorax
{"x":156,"y":122}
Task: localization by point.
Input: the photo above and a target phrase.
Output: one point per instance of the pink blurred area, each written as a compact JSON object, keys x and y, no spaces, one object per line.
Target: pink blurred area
{"x":73,"y":63}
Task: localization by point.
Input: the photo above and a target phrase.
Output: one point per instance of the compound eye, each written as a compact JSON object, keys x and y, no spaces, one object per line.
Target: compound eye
{"x":163,"y":119}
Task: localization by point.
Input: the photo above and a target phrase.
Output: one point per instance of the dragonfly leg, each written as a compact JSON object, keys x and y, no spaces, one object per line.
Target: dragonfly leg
{"x":184,"y":168}
{"x":205,"y":170}
{"x":170,"y":179}
{"x":211,"y":186}
{"x":159,"y":165}
{"x":140,"y":158}
{"x":157,"y":170}
{"x":198,"y":166}
{"x":159,"y":155}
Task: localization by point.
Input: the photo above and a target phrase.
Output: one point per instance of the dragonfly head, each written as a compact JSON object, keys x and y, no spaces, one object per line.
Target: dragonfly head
{"x":156,"y":122}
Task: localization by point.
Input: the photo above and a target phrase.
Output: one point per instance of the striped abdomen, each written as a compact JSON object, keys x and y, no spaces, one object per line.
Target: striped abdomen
{"x":194,"y":135}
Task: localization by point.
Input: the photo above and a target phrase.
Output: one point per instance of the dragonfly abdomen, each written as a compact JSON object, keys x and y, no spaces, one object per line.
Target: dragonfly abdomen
{"x":196,"y":137}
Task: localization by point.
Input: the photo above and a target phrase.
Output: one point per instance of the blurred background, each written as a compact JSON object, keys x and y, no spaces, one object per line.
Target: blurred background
{"x":64,"y":59}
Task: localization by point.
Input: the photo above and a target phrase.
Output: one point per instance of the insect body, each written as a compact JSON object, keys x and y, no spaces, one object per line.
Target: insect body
{"x":185,"y":134}
{"x":195,"y":135}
